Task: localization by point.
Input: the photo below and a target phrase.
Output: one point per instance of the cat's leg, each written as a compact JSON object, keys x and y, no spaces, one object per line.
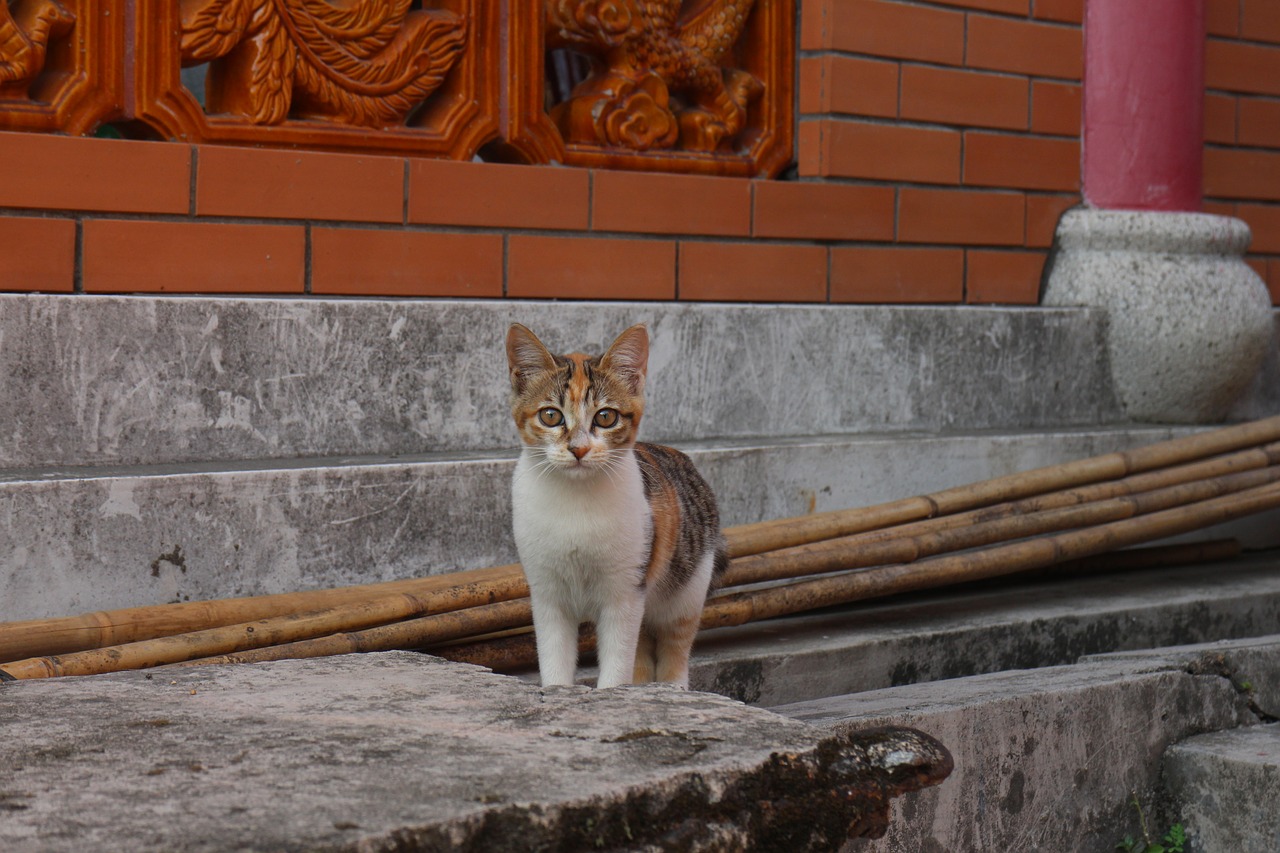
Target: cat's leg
{"x":646,"y":662}
{"x":673,"y":649}
{"x":555,"y":631}
{"x":617,"y":634}
{"x":675,"y":622}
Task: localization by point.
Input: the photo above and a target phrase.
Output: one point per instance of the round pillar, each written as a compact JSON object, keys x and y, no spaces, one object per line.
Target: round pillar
{"x":1143,"y":125}
{"x":1189,"y":322}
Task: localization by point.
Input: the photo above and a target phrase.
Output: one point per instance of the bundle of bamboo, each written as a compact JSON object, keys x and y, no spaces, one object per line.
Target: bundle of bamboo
{"x":1054,"y":516}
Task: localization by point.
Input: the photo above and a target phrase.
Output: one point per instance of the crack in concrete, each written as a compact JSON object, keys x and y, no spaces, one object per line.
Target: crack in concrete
{"x":1217,"y":664}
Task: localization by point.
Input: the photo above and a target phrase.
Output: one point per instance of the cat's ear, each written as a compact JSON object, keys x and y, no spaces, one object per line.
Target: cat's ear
{"x":628,"y":357}
{"x":526,"y":356}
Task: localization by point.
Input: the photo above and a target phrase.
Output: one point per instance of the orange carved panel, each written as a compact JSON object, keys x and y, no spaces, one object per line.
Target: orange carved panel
{"x":387,"y":76}
{"x":61,"y":64}
{"x":677,"y":85}
{"x":680,"y":85}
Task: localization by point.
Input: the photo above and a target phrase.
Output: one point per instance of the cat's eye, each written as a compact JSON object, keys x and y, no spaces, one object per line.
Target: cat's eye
{"x":550,"y":417}
{"x":606,"y":418}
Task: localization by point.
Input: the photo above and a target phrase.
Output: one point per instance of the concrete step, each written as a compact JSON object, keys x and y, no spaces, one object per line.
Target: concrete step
{"x":85,"y":539}
{"x":173,"y":448}
{"x":107,"y":380}
{"x":1049,"y":759}
{"x":933,"y":637}
{"x":1225,"y":789}
{"x":1250,"y":664}
{"x":110,"y":380}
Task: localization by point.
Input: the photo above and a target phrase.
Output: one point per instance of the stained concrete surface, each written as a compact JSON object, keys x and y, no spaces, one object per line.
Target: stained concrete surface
{"x":1051,"y":758}
{"x":100,"y":539}
{"x":101,"y":380}
{"x":1225,"y":789}
{"x":948,"y":634}
{"x":404,"y":752}
{"x":1251,"y":664}
{"x":1046,"y":759}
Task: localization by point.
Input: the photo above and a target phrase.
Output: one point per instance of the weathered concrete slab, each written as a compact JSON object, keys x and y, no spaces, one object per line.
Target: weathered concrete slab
{"x":118,"y":538}
{"x":1046,"y":759}
{"x":1225,"y":788}
{"x":92,"y":380}
{"x":1251,"y":664}
{"x":949,"y":634}
{"x":408,"y":753}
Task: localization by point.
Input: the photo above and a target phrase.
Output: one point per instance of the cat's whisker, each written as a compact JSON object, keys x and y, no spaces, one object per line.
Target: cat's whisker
{"x":542,"y":466}
{"x":613,"y":468}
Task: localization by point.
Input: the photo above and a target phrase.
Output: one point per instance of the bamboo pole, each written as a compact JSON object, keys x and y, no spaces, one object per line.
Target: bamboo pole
{"x":431,"y":629}
{"x":265,"y":632}
{"x":505,"y":651}
{"x":773,"y":535}
{"x":1039,"y":552}
{"x":736,"y":608}
{"x":334,"y":631}
{"x":116,"y":627}
{"x":850,"y":553}
{"x":828,"y":556}
{"x":51,"y":637}
{"x":1246,"y":460}
{"x":410,"y":634}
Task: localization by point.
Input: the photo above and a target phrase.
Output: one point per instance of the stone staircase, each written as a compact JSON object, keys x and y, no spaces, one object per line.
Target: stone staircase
{"x":1226,"y":785}
{"x":159,"y":449}
{"x":1061,"y":702}
{"x":175,"y":448}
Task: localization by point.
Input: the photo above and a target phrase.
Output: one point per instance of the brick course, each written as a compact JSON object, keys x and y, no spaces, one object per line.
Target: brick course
{"x":938,"y":143}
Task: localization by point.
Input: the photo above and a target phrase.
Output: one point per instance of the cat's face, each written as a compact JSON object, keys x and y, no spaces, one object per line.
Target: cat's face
{"x":577,"y":413}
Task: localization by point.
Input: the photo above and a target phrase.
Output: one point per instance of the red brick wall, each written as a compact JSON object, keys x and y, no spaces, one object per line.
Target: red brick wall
{"x":938,"y":142}
{"x":1242,"y":124}
{"x":969,"y":113}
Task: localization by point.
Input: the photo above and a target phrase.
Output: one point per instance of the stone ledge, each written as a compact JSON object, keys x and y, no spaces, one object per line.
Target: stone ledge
{"x":1046,"y":759}
{"x":951,"y":634}
{"x":107,"y":380}
{"x":1252,"y":665}
{"x":147,"y":536}
{"x":404,"y":752}
{"x":1224,"y":788}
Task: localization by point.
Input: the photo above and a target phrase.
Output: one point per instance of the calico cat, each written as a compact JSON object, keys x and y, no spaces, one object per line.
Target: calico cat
{"x":609,"y":530}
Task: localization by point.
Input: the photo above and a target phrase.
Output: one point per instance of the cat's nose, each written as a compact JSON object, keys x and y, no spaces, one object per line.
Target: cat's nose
{"x":579,"y":452}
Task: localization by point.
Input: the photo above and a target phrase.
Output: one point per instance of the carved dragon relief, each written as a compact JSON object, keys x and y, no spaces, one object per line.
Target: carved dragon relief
{"x":362,"y":62}
{"x":659,"y":78}
{"x":25,"y":33}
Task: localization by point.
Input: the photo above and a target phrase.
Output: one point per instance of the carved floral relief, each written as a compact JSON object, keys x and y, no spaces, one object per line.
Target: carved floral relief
{"x":662,"y":72}
{"x":410,"y":77}
{"x":61,"y":64}
{"x":25,"y":33}
{"x":680,"y":77}
{"x":684,"y":85}
{"x":361,"y":62}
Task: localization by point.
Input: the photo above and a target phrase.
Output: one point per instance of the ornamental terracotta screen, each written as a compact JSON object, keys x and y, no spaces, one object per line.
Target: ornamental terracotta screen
{"x":374,"y":75}
{"x":61,"y":64}
{"x":699,"y":86}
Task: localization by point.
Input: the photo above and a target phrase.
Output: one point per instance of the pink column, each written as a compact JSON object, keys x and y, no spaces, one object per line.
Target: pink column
{"x":1143,"y":135}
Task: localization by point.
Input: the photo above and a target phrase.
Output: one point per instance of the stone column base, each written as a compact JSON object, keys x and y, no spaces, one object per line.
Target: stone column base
{"x":1189,"y":321}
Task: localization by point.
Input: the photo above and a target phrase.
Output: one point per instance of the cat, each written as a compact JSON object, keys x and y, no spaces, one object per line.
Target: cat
{"x":612,"y":531}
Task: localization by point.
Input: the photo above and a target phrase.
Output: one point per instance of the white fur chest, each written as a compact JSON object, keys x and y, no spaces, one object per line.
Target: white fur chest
{"x":582,"y":540}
